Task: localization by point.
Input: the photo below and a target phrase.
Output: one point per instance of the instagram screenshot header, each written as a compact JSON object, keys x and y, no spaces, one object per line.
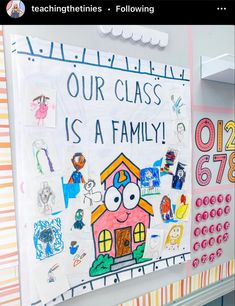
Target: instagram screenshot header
{"x":119,"y":12}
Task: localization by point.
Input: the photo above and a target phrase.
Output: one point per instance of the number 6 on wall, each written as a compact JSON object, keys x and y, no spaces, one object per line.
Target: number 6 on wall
{"x":203,"y":174}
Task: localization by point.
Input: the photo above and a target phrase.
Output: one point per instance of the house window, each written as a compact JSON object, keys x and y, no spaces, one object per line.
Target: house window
{"x":105,"y":241}
{"x":139,"y":232}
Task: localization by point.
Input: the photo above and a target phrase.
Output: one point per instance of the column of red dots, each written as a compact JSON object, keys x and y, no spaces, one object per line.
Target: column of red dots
{"x":211,"y":230}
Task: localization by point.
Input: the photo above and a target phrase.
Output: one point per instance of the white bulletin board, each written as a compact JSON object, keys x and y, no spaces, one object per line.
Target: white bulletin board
{"x":176,"y":55}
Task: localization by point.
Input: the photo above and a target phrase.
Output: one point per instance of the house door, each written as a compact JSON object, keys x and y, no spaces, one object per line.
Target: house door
{"x":123,"y":241}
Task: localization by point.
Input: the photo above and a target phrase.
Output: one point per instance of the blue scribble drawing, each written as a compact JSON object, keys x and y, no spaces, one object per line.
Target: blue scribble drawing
{"x":149,"y":181}
{"x":48,"y":238}
{"x":177,"y":104}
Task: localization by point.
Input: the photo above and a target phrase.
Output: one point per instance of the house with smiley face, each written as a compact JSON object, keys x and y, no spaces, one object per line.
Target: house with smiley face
{"x":119,"y":225}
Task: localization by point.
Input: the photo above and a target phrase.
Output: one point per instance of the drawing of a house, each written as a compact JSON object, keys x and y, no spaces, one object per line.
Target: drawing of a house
{"x":119,"y":224}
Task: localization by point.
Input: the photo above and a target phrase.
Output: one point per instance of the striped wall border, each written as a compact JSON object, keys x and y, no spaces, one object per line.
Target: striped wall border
{"x":184,"y":287}
{"x":9,"y":281}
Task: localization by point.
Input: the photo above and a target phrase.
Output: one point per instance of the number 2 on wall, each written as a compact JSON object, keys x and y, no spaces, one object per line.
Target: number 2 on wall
{"x":230,"y":145}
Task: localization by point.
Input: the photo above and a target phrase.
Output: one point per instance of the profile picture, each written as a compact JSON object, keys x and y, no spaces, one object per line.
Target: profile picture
{"x":15,"y":8}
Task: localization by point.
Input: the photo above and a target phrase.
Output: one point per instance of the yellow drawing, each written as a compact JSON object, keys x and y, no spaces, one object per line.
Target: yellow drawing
{"x":182,"y":208}
{"x":174,"y":237}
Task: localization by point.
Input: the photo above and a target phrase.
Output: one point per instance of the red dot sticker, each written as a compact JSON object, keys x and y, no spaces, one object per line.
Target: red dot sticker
{"x":219,"y":212}
{"x":196,"y":246}
{"x":198,"y":217}
{"x":220,"y":198}
{"x":204,"y":244}
{"x":219,"y":239}
{"x":195,"y":262}
{"x":219,"y":227}
{"x":206,"y":200}
{"x":199,"y":202}
{"x":227,"y":210}
{"x":219,"y":252}
{"x":212,"y":199}
{"x":205,"y":215}
{"x":225,"y":236}
{"x":211,"y":241}
{"x":197,"y":231}
{"x":204,"y":230}
{"x":212,"y":213}
{"x":212,"y":257}
{"x":212,"y":228}
{"x":226,"y":225}
{"x":204,"y":258}
{"x":228,"y":198}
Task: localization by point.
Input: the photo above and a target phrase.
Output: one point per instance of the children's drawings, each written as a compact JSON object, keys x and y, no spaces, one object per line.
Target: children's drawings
{"x":46,"y":198}
{"x":91,"y":197}
{"x":42,"y":156}
{"x":79,"y":260}
{"x":72,"y":188}
{"x":154,"y":243}
{"x":78,"y":161}
{"x":79,"y":224}
{"x":169,"y":161}
{"x":48,"y":238}
{"x":50,"y":279}
{"x":177,"y":104}
{"x":182,"y":208}
{"x":180,"y":131}
{"x":179,"y":177}
{"x":166,"y":209}
{"x":51,"y":275}
{"x":150,"y":181}
{"x":40,"y":106}
{"x":174,"y":237}
{"x":47,"y":194}
{"x":73,"y":247}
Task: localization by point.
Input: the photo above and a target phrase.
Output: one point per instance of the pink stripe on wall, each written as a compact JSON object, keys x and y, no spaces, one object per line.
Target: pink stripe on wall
{"x":213,"y":109}
{"x":212,"y":188}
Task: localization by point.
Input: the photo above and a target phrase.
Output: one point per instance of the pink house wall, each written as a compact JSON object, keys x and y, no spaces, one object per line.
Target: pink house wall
{"x":109,"y":221}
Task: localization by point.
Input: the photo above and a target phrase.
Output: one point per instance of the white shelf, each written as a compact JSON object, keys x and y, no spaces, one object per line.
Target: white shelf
{"x":220,"y":68}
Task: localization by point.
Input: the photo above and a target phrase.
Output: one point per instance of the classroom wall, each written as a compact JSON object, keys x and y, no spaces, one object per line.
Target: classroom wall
{"x":206,"y":40}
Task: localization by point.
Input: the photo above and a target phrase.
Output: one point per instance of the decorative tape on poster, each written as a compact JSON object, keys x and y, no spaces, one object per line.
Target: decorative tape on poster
{"x":104,"y":154}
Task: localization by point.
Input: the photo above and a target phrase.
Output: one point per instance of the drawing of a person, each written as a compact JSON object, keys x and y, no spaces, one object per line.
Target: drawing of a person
{"x":79,"y":224}
{"x":73,"y":247}
{"x":174,"y":237}
{"x":166,"y":209}
{"x":41,"y":105}
{"x":180,"y":131}
{"x":46,"y":199}
{"x":149,"y":178}
{"x":155,"y":245}
{"x":40,"y":146}
{"x":78,"y":162}
{"x":91,"y":196}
